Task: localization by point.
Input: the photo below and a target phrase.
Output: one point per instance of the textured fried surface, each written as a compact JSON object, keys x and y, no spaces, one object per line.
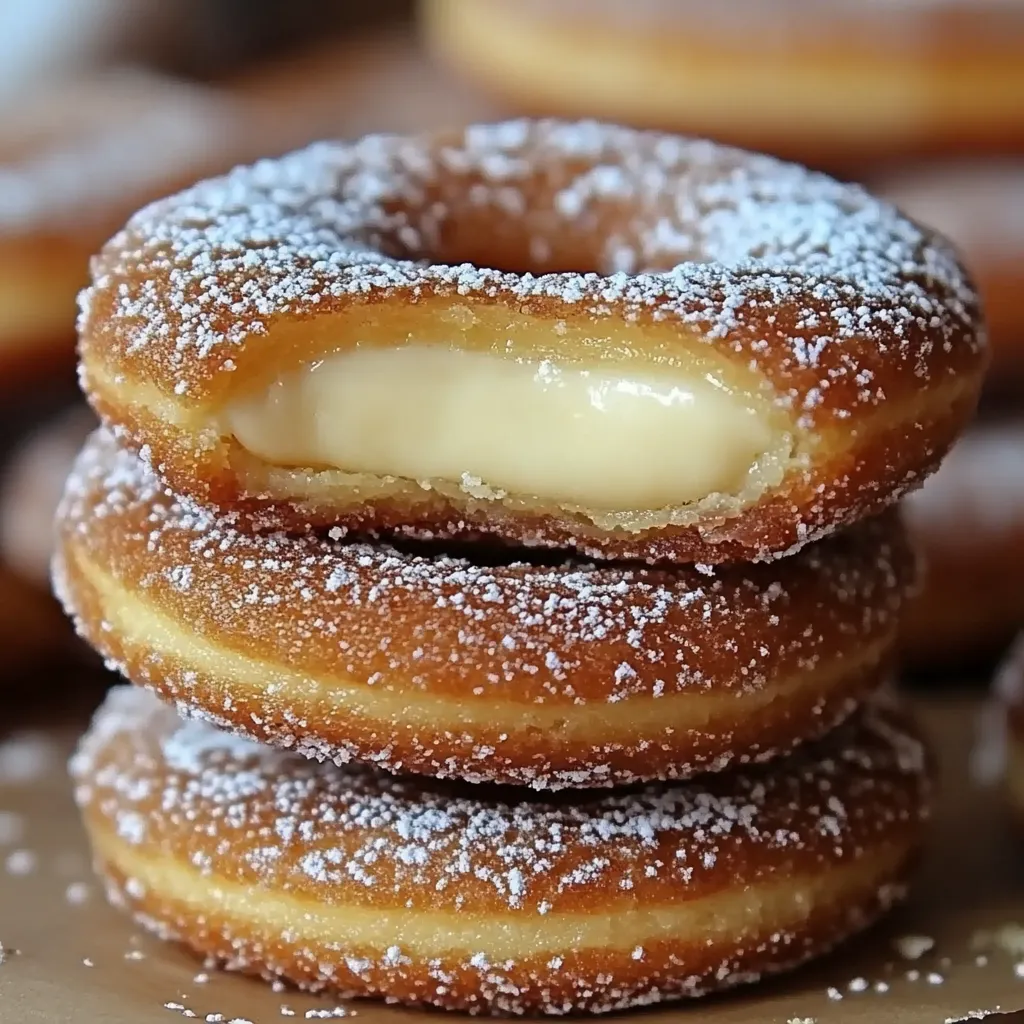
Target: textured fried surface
{"x":857,"y":327}
{"x":979,"y":206}
{"x":486,"y":899}
{"x":556,"y":674}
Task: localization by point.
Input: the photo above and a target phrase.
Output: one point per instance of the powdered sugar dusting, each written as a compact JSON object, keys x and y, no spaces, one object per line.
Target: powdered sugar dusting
{"x":692,"y":233}
{"x":420,"y":622}
{"x":352,"y":834}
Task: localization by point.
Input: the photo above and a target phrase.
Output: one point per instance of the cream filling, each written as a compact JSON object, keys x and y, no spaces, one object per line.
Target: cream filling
{"x":591,"y":436}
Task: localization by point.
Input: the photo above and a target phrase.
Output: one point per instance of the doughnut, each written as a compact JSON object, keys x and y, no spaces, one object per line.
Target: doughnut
{"x":488,"y":669}
{"x":831,"y":84}
{"x":75,"y":161}
{"x":979,"y":207}
{"x":484,"y":898}
{"x":1006,"y":744}
{"x":53,"y":39}
{"x":968,"y":522}
{"x":32,"y":630}
{"x":404,"y":91}
{"x":318,"y":340}
{"x":30,"y":491}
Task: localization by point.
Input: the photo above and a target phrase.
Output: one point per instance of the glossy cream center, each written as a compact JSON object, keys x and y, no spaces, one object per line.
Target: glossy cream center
{"x":593,"y":436}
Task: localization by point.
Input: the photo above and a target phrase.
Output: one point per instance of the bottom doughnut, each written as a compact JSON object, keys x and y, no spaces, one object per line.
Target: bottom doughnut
{"x":489,"y":899}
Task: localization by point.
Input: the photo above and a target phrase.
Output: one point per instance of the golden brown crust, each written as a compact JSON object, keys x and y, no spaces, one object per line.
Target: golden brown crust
{"x":858,"y":328}
{"x":552,"y":673}
{"x":968,"y":523}
{"x":351,"y":880}
{"x":821,"y":84}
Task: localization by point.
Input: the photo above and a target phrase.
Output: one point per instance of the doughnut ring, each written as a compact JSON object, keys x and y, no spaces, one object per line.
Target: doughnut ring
{"x":828,"y":84}
{"x":486,"y":899}
{"x":317,"y":340}
{"x":74,"y":163}
{"x":968,"y":523}
{"x":489,"y":670}
{"x":974,"y":204}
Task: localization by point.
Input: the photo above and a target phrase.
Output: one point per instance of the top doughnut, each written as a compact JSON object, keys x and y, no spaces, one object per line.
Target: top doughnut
{"x":515,"y":329}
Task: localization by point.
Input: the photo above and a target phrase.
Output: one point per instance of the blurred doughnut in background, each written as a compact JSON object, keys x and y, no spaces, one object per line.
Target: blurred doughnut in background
{"x":379,"y":81}
{"x":46,"y":40}
{"x":43,"y":40}
{"x":968,"y":521}
{"x":980,"y":207}
{"x":32,"y":628}
{"x":826,"y":82}
{"x":75,"y":161}
{"x":30,"y":490}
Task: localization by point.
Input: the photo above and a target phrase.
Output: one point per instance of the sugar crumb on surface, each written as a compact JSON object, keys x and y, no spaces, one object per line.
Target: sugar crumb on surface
{"x":913,"y":947}
{"x":26,"y":757}
{"x":77,"y":893}
{"x":21,"y":862}
{"x":12,"y":827}
{"x":1007,"y":938}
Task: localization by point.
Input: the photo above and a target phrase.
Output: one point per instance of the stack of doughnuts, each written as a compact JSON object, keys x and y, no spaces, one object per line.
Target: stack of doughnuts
{"x":502,"y":522}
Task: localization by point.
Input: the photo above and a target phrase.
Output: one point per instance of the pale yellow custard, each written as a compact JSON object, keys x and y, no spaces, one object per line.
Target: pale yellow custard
{"x":593,"y":436}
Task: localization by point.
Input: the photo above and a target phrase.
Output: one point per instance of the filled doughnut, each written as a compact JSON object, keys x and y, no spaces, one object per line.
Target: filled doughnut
{"x":318,"y":339}
{"x":968,"y":522}
{"x":831,"y":84}
{"x":487,"y":899}
{"x":30,"y":491}
{"x":979,"y":206}
{"x":487,"y":667}
{"x":75,"y":161}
